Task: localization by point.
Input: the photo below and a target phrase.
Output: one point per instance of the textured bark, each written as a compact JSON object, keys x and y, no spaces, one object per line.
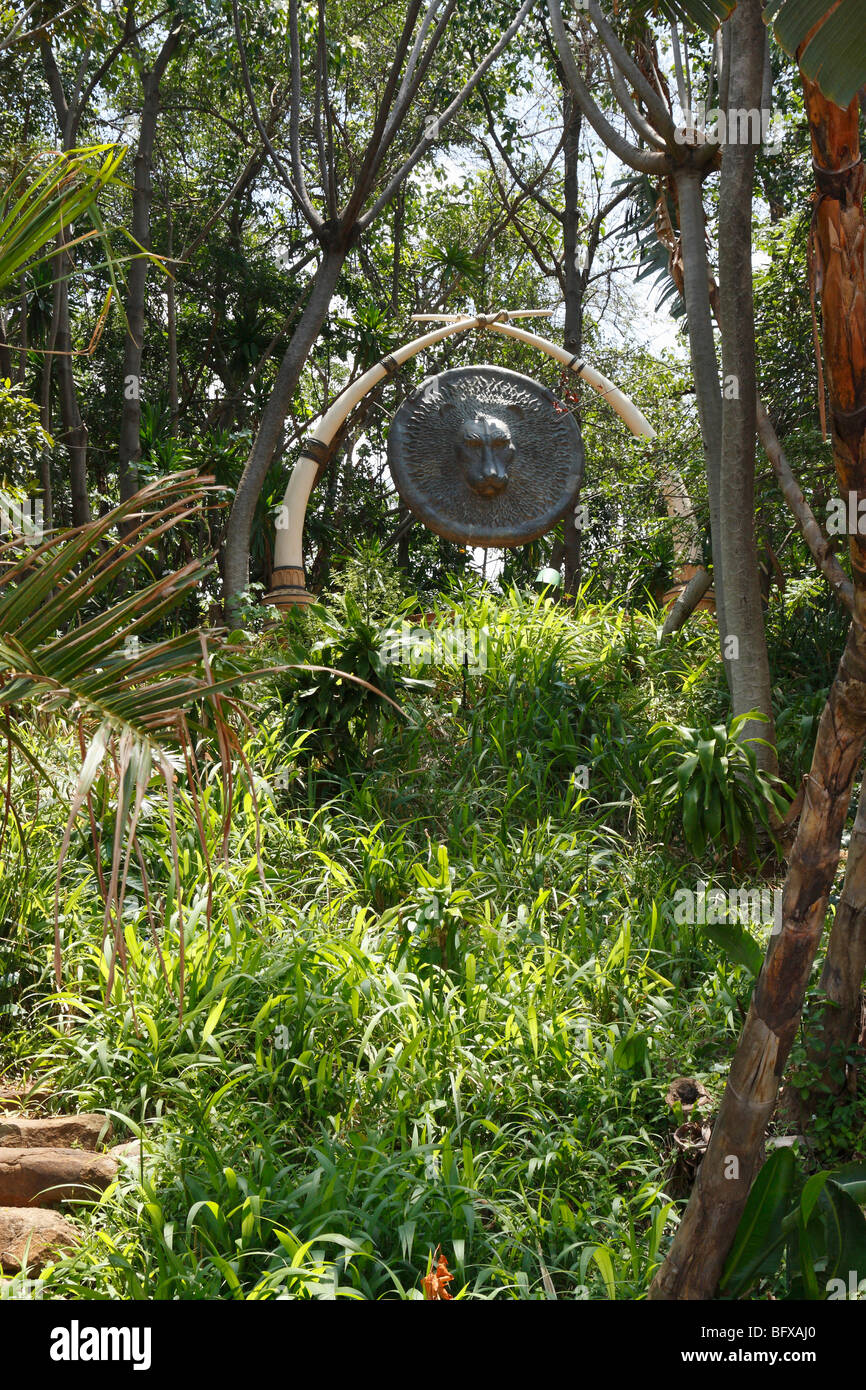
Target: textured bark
{"x":702,"y":1241}
{"x":749,"y":670}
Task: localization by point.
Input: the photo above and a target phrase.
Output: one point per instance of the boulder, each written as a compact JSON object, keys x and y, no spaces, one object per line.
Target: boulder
{"x":48,"y":1234}
{"x":44,"y":1177}
{"x":56,"y":1131}
{"x":21,"y":1093}
{"x":127,"y":1152}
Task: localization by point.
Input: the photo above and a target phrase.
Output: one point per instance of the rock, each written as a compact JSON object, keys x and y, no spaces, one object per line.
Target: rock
{"x":48,"y":1233}
{"x":127,"y":1152}
{"x":44,"y":1177}
{"x":21,"y":1093}
{"x":57,"y":1131}
{"x":785,"y":1141}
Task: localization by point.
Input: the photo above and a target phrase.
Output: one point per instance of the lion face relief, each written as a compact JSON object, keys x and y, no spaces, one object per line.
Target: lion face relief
{"x":483,"y":457}
{"x":484,"y":451}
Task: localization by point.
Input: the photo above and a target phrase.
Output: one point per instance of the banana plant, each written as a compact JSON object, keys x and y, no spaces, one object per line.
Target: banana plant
{"x":827,"y":39}
{"x":815,"y":1226}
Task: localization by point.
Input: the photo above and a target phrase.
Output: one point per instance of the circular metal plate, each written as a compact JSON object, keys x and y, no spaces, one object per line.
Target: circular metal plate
{"x":484,"y":457}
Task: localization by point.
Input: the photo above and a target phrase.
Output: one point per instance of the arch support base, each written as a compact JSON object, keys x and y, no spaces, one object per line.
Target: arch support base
{"x":289,"y":588}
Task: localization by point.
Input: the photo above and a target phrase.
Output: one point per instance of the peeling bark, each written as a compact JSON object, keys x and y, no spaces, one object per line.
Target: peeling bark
{"x":702,"y":1241}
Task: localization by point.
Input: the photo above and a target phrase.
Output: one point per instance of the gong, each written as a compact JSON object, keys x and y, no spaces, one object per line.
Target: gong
{"x":485,"y":456}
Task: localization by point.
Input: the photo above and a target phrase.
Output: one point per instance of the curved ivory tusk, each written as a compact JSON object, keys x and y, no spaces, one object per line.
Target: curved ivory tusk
{"x":289,"y":583}
{"x":625,"y":408}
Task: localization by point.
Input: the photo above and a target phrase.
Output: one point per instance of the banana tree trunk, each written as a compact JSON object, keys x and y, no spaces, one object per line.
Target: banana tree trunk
{"x":844,"y":964}
{"x":735,"y":1152}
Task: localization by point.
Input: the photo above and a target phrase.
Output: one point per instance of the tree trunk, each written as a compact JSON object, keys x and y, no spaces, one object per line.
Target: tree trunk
{"x":702,"y":1241}
{"x":844,"y":964}
{"x":748,"y":666}
{"x":839,"y":231}
{"x":238,"y":531}
{"x":171,"y":327}
{"x":129,"y":446}
{"x":686,"y":602}
{"x":74,"y":428}
{"x":735,"y":1153}
{"x":703,"y":354}
{"x":575,"y":287}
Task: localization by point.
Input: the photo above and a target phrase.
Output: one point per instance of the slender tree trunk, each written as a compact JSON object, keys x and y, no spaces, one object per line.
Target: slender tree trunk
{"x":686,"y":602}
{"x":45,"y":418}
{"x":5,"y":354}
{"x":171,"y":326}
{"x":748,"y":665}
{"x":735,"y":1152}
{"x":237,"y":545}
{"x":75,"y":434}
{"x":129,"y":446}
{"x":575,"y":285}
{"x":74,"y":428}
{"x":703,"y":354}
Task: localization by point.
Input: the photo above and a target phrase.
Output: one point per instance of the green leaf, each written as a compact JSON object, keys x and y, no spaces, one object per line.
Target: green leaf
{"x":706,"y":753}
{"x":760,"y":1233}
{"x":692,"y":819}
{"x":835,"y":56}
{"x":738,"y":945}
{"x":852,"y":1177}
{"x":706,"y":14}
{"x":845,"y":1231}
{"x":213,"y":1018}
{"x":601,"y":1255}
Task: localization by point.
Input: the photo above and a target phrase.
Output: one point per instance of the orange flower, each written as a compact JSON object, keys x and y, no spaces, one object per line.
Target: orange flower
{"x":435,"y":1284}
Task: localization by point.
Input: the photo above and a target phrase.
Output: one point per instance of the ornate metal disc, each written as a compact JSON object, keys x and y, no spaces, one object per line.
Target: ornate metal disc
{"x":483,"y":457}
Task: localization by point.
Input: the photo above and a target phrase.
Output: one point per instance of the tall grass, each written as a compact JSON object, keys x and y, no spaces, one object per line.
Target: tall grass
{"x":442,"y":1010}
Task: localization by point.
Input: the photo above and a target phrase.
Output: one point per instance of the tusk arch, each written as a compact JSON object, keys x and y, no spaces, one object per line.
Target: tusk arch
{"x":289,"y":581}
